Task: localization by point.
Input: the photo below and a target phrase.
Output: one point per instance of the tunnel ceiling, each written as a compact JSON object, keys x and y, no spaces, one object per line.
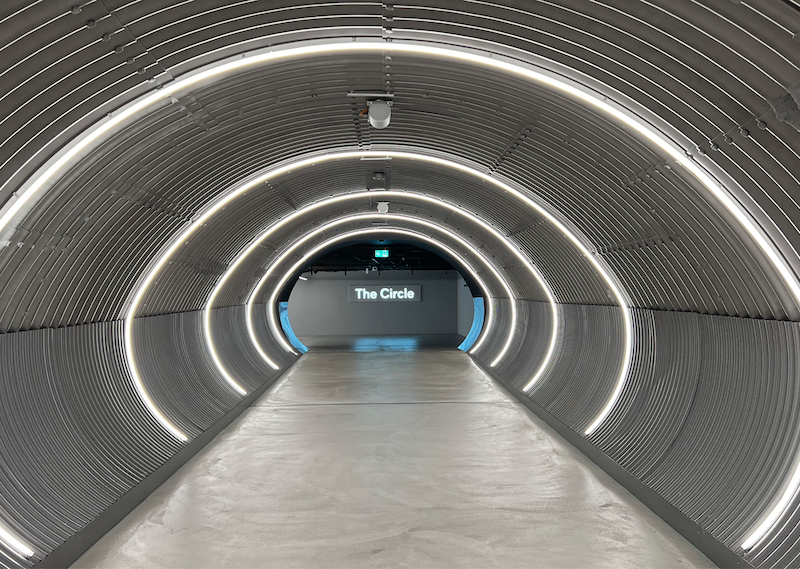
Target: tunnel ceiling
{"x":478,"y":158}
{"x":402,"y":257}
{"x":663,"y":236}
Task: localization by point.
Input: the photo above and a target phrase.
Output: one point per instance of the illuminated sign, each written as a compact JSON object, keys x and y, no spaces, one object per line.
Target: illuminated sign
{"x":385,"y":293}
{"x":381,"y":253}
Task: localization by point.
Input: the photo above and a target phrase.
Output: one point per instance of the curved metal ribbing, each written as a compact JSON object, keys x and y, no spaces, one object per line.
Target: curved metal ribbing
{"x":266,"y":339}
{"x":159,"y":190}
{"x":706,"y":407}
{"x":75,"y":434}
{"x":707,"y":416}
{"x":178,"y":373}
{"x":235,"y":349}
{"x":530,"y":348}
{"x":535,"y":321}
{"x":660,"y":392}
{"x":715,"y":469}
{"x":588,"y":359}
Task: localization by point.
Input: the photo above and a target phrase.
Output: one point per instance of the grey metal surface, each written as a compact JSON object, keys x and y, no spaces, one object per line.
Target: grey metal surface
{"x":719,"y":478}
{"x":709,"y":73}
{"x":179,"y":374}
{"x":587,"y":365}
{"x":236,"y":351}
{"x":713,"y":549}
{"x":75,"y":434}
{"x":527,"y":353}
{"x":662,"y":389}
{"x":691,"y":424}
{"x":265,"y":339}
{"x":651,"y":229}
{"x":78,"y":543}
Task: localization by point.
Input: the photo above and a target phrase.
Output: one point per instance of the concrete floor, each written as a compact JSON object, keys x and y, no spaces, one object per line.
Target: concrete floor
{"x":390,"y":459}
{"x":396,"y":343}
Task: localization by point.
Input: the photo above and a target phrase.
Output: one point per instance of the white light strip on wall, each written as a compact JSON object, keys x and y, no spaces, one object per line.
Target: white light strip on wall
{"x":775,"y":514}
{"x":207,"y":326}
{"x":381,"y":194}
{"x":333,"y":155}
{"x":305,"y":238}
{"x":276,"y":330}
{"x":215,"y":356}
{"x":358,"y":233}
{"x":14,"y":543}
{"x":215,"y":207}
{"x":140,"y":389}
{"x":541,"y":76}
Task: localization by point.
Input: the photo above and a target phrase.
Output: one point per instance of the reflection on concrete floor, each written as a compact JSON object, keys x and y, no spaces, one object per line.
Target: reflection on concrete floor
{"x":394,"y":343}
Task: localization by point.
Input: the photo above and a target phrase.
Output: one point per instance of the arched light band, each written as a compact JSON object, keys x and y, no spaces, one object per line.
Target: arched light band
{"x":403,"y":218}
{"x":358,"y":233}
{"x":255,"y":244}
{"x":303,"y":162}
{"x":14,"y":543}
{"x":117,"y":118}
{"x":556,"y":82}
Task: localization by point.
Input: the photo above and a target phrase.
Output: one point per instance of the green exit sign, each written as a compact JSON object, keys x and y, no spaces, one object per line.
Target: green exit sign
{"x":381,"y":253}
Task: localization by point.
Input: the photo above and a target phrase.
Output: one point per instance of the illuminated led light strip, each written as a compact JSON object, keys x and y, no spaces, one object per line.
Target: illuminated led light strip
{"x":557,"y":82}
{"x":273,"y":324}
{"x":375,"y":216}
{"x":14,"y":543}
{"x":305,"y":238}
{"x":235,"y":64}
{"x":215,"y":356}
{"x":137,"y":381}
{"x":356,"y":233}
{"x":773,"y":517}
{"x":210,"y":337}
{"x":383,"y":194}
{"x":445,"y":162}
{"x":212,"y":209}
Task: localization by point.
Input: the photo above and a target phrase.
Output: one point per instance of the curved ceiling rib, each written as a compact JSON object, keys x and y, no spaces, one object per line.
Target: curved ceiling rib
{"x":16,"y":207}
{"x":251,"y":295}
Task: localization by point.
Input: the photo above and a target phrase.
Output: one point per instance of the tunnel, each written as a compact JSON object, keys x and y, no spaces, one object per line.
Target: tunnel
{"x":613,"y":183}
{"x":385,"y":293}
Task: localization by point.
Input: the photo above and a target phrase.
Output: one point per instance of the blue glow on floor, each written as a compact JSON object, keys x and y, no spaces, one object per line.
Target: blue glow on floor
{"x":384,"y":344}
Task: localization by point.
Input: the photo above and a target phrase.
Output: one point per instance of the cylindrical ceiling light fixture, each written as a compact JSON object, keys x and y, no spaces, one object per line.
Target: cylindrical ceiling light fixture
{"x":380,"y":113}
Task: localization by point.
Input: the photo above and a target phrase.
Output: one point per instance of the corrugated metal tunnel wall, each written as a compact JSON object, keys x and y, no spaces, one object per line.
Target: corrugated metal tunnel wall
{"x":621,"y":176}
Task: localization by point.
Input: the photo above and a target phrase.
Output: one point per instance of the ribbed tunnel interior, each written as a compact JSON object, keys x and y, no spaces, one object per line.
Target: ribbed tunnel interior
{"x":621,"y":178}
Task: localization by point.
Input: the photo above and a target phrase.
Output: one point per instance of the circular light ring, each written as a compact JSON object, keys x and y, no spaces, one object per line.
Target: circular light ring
{"x":276,"y":330}
{"x":255,"y":244}
{"x":17,"y":203}
{"x":447,"y":162}
{"x":357,"y":233}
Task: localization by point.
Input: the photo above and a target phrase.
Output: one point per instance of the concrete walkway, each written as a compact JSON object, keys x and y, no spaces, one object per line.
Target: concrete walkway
{"x":390,"y":459}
